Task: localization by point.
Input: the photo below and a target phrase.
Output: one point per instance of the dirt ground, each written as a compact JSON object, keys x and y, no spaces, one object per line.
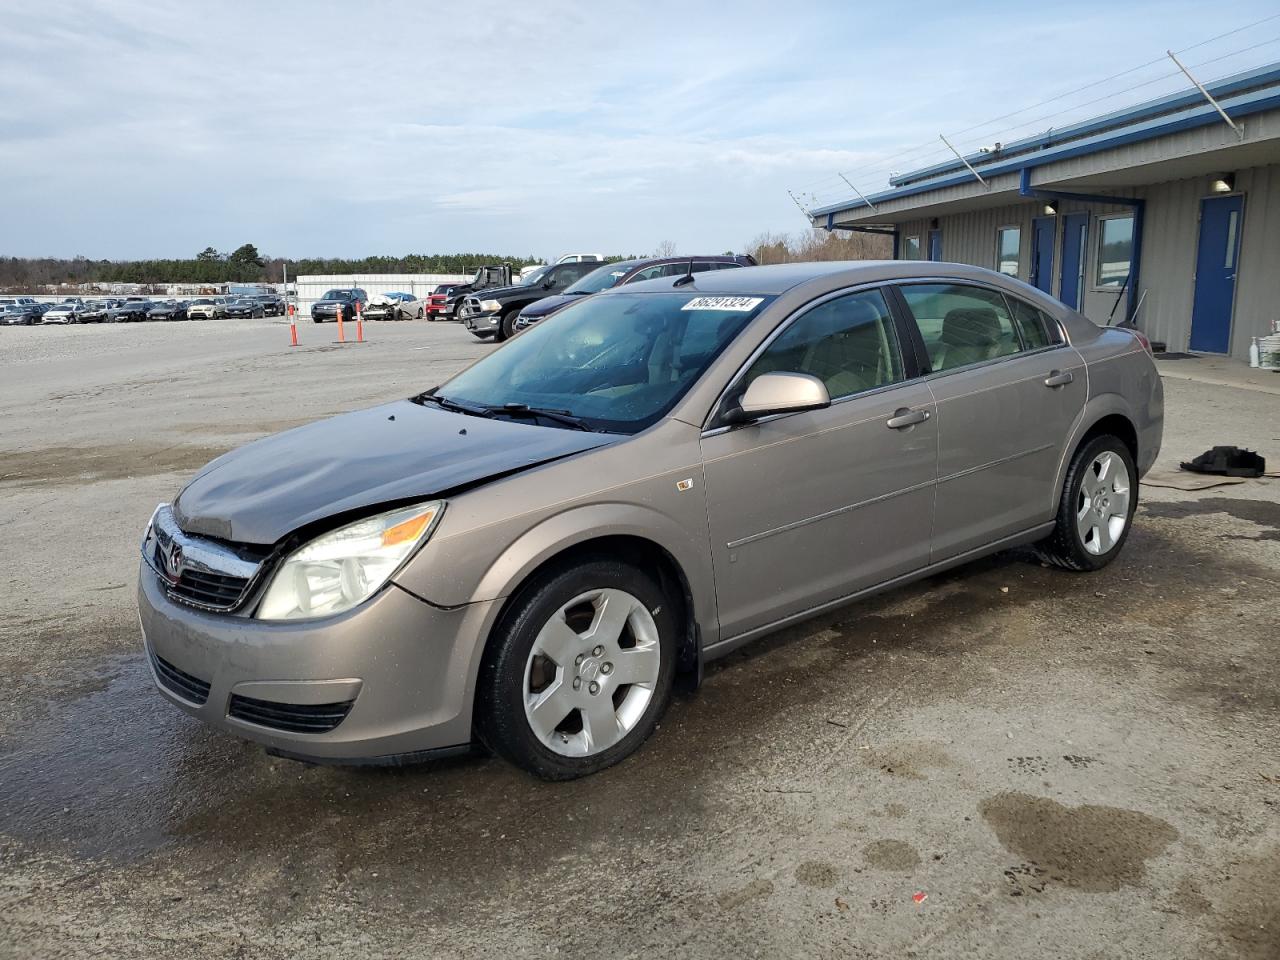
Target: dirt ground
{"x":1005,"y":761}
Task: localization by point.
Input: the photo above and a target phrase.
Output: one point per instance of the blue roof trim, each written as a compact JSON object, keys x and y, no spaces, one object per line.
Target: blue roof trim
{"x":1227,"y":87}
{"x":1202,"y":116}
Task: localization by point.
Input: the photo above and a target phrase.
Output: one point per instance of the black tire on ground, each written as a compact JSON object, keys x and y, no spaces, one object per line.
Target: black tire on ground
{"x":507,"y":328}
{"x":1064,"y":547}
{"x":420,"y":313}
{"x":500,"y":721}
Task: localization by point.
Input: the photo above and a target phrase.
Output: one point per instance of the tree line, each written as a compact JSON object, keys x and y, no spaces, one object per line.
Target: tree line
{"x":243,"y":265}
{"x":246,"y":265}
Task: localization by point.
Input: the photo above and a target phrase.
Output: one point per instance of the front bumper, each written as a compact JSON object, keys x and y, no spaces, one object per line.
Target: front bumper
{"x":483,"y":324}
{"x":406,"y":666}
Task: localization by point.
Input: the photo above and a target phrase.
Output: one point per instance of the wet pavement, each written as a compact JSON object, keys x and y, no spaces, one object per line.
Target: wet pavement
{"x":1006,"y":760}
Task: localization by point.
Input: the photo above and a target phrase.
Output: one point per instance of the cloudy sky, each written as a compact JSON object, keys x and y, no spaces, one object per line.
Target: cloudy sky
{"x":147,"y":129}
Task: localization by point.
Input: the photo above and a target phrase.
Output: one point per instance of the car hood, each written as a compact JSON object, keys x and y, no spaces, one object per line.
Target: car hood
{"x":392,"y":453}
{"x":515,"y":290}
{"x":551,"y":304}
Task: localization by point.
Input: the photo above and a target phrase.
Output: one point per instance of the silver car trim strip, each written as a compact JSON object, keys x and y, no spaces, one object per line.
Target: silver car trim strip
{"x":995,"y":463}
{"x":733,"y":544}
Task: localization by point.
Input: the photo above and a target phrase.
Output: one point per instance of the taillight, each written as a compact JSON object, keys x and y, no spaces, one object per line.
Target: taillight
{"x":1142,"y":339}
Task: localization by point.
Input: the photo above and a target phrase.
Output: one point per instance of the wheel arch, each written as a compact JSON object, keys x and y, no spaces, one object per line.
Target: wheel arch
{"x":1106,"y":414}
{"x":648,"y":540}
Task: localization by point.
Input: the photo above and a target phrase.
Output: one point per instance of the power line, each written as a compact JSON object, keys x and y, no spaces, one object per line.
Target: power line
{"x":933,"y":151}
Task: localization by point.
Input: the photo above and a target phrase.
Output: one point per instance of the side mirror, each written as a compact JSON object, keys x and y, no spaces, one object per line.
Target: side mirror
{"x":548,"y":283}
{"x":773,"y":393}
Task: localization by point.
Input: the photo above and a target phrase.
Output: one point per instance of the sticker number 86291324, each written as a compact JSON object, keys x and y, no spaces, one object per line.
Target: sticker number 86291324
{"x":723,"y":303}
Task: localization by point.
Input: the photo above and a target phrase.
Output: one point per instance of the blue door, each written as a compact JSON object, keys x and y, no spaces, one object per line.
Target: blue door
{"x":1216,"y":274}
{"x":935,"y":245}
{"x":1042,"y":229}
{"x":1075,"y":244}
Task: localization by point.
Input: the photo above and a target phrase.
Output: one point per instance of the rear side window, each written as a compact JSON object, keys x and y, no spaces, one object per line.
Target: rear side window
{"x":849,"y":343}
{"x":961,"y":324}
{"x":1037,"y":328}
{"x":660,"y":270}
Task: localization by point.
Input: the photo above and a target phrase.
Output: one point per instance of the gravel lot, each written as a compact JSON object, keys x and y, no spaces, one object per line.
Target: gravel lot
{"x":1067,"y":765}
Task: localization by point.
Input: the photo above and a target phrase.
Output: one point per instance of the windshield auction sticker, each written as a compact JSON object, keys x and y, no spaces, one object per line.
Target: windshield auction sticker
{"x":723,"y":303}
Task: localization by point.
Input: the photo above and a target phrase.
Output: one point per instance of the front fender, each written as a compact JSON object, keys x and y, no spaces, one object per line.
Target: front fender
{"x":575,"y":526}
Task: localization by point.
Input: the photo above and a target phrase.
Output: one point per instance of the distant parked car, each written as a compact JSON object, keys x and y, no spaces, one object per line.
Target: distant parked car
{"x":94,"y":311}
{"x":246,"y":307}
{"x":169,"y":310}
{"x":130,"y":311}
{"x":628,"y":271}
{"x":395,"y":306}
{"x":438,"y":299}
{"x":340,"y":302}
{"x":205,"y":308}
{"x":272,"y":305}
{"x":20,"y":314}
{"x":67,"y":312}
{"x":41,"y":309}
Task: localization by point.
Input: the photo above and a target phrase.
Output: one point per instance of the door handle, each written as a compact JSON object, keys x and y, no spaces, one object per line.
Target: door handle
{"x":1058,"y":378}
{"x":904,"y":418}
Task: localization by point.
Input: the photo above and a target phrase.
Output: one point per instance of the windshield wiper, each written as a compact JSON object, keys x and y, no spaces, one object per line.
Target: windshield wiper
{"x":445,"y":403}
{"x":524,"y":410}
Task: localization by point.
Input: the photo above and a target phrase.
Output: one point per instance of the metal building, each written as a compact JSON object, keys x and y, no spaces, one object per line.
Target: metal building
{"x":1167,"y":213}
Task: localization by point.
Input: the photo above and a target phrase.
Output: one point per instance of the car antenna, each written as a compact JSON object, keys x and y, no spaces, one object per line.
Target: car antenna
{"x":687,"y":278}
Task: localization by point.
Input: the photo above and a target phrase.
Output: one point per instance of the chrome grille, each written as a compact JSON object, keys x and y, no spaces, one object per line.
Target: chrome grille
{"x":198,"y":571}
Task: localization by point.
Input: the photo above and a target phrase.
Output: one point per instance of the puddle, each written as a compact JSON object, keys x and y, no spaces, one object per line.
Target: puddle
{"x":1091,"y":848}
{"x":1264,"y":513}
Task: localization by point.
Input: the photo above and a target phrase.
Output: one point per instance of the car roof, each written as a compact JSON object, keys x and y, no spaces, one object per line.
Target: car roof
{"x":778,"y":278}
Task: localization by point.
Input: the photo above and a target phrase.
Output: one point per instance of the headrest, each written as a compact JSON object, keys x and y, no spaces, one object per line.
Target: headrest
{"x":970,"y":327}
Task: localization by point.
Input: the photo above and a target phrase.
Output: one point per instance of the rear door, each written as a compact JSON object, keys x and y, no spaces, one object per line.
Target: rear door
{"x":809,"y":507}
{"x":1008,"y":390}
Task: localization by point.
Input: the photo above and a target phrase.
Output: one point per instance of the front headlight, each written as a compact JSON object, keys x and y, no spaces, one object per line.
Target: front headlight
{"x":346,"y":566}
{"x":490,"y":306}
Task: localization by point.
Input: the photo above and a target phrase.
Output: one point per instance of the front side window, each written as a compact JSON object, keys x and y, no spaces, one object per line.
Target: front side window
{"x":849,"y":343}
{"x":910,"y":248}
{"x":618,"y":362}
{"x":601,"y":278}
{"x":1008,"y":248}
{"x":1115,"y":248}
{"x":961,"y":324}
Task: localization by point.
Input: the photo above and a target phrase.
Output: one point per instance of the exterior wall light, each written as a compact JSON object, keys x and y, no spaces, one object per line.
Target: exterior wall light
{"x":1223,"y":183}
{"x":1051,"y":208}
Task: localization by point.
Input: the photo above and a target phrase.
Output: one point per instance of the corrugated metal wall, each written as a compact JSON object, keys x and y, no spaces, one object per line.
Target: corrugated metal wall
{"x":1170,"y":238}
{"x":312,"y":287}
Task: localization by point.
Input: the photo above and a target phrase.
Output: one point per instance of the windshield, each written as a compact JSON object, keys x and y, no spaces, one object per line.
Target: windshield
{"x":535,"y":277}
{"x":336,"y":295}
{"x":618,"y":363}
{"x":600,"y":279}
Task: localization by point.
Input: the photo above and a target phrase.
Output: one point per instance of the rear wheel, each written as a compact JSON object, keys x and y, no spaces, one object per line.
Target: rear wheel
{"x":1099,"y":497}
{"x":420,"y":313}
{"x":579,"y":673}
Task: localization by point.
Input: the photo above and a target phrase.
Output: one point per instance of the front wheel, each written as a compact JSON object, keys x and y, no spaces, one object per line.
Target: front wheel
{"x":1099,"y":497}
{"x":580,"y":672}
{"x":507,"y":326}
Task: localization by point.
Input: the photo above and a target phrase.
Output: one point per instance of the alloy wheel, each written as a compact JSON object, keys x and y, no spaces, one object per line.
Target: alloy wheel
{"x":1102,"y":508}
{"x":592,"y":672}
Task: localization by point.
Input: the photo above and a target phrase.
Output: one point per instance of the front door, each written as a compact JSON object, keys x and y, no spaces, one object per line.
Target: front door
{"x":1075,"y":242}
{"x":1216,"y":261}
{"x":1042,"y":229}
{"x":809,"y":507}
{"x":1008,"y":390}
{"x":935,"y":245}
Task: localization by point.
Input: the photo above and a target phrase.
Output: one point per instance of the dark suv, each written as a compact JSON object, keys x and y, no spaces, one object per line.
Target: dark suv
{"x":628,"y":271}
{"x":492,"y":313}
{"x":340,"y":302}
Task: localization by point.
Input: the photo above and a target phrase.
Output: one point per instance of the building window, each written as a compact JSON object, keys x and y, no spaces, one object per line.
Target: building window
{"x":910,"y":248}
{"x":1115,"y":250}
{"x":1008,"y":246}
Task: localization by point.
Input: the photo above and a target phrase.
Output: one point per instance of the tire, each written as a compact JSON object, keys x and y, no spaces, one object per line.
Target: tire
{"x":579,"y":732}
{"x":1097,"y":507}
{"x":507,"y":328}
{"x":420,"y":313}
